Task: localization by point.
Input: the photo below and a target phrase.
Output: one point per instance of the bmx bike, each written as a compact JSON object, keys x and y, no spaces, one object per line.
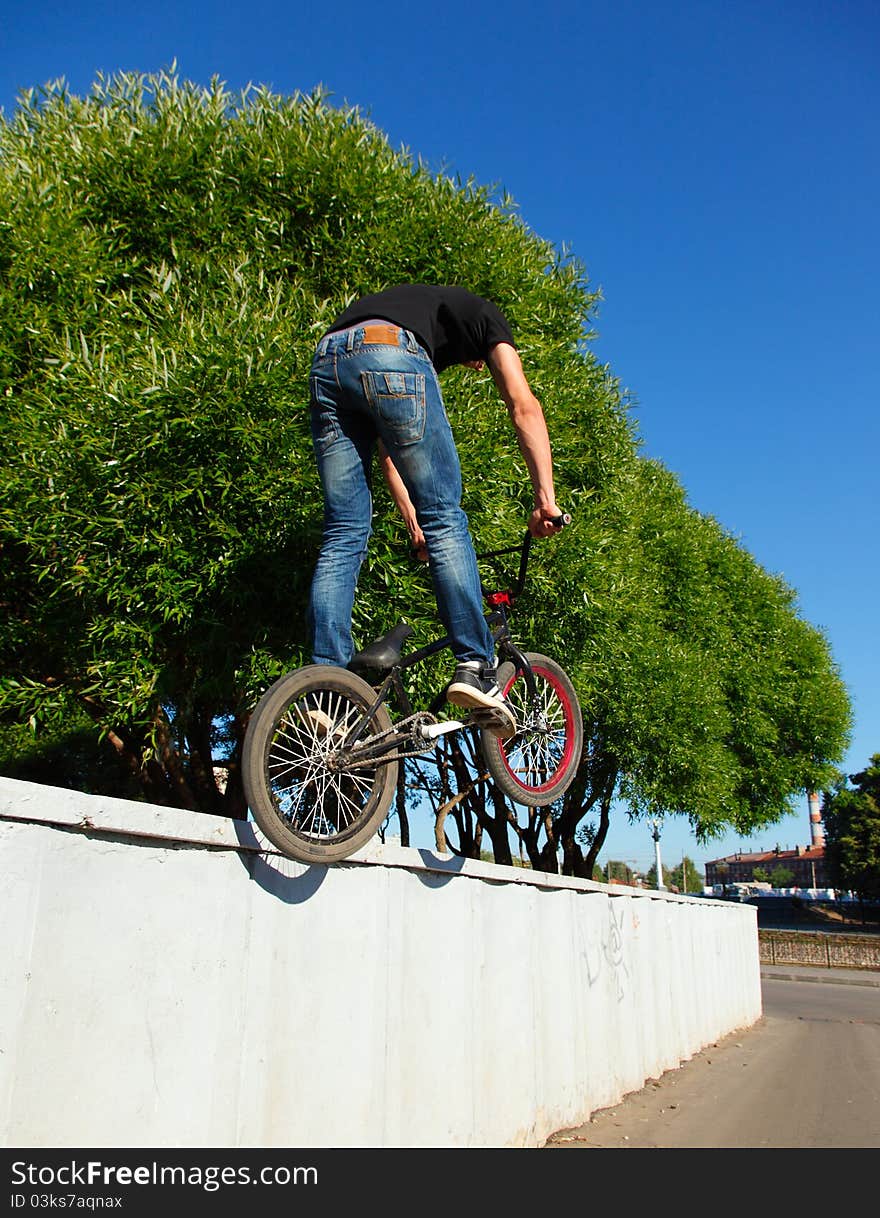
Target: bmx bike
{"x":321,"y":752}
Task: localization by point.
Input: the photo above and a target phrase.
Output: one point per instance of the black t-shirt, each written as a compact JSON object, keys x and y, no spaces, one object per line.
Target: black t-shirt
{"x":452,"y":324}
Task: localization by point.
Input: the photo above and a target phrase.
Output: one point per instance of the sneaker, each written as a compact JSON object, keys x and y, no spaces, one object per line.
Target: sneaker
{"x":476,"y":686}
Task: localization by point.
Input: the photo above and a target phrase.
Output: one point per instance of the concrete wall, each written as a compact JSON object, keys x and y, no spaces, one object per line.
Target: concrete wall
{"x":168,"y":983}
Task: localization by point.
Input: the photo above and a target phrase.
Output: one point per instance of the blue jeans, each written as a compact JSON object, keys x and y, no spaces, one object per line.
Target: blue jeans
{"x":360,"y":391}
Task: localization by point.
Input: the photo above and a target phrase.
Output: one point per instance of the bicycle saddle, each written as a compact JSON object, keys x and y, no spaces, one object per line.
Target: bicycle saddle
{"x":383,"y":653}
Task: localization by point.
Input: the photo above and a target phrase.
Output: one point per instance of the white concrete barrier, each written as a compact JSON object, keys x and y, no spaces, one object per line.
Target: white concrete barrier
{"x":167,"y":982}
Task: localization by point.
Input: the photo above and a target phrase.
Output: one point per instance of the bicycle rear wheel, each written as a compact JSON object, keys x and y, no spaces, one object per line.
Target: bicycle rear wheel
{"x":299,"y":790}
{"x":537,"y":765}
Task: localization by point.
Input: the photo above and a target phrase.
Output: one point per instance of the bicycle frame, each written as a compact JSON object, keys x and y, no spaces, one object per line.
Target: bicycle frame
{"x":322,"y":754}
{"x":500,"y":603}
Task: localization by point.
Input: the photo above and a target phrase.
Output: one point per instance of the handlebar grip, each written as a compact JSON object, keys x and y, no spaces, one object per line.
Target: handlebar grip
{"x":561,"y":521}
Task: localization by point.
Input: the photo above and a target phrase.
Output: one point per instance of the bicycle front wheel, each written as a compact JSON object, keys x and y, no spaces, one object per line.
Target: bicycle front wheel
{"x":537,"y":765}
{"x":303,"y":797}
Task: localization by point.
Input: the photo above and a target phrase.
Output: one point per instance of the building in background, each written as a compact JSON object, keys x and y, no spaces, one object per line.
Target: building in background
{"x":806,"y":863}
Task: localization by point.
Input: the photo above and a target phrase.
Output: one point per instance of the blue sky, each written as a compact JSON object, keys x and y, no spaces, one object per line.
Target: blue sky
{"x":715,"y":166}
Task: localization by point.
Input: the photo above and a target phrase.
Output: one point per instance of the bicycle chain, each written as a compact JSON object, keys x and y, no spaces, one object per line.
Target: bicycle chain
{"x":409,"y":722}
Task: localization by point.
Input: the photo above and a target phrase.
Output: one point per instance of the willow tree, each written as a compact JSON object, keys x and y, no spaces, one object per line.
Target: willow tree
{"x":169,"y":255}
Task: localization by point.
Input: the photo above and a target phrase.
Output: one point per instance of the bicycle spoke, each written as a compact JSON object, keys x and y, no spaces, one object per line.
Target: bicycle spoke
{"x":535,"y":753}
{"x":314,"y":799}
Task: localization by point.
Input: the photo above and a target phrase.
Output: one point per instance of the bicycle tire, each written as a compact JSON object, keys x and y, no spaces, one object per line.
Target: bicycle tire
{"x":538,"y":764}
{"x":308,"y":810}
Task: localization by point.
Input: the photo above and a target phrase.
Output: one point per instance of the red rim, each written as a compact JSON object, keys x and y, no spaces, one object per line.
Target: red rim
{"x":564,"y":761}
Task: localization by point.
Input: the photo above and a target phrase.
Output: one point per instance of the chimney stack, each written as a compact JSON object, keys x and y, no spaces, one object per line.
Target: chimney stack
{"x":817,"y":834}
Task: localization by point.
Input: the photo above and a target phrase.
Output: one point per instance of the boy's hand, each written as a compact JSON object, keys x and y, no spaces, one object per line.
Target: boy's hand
{"x":419,"y":547}
{"x":543,"y":521}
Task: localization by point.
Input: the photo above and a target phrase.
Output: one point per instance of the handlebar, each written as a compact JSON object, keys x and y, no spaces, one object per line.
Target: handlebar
{"x":523,"y":550}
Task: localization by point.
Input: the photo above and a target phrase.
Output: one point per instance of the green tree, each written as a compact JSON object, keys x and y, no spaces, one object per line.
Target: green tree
{"x":686,"y":877}
{"x":618,"y":869}
{"x":781,"y":876}
{"x":70,"y":756}
{"x":851,"y":816}
{"x":651,"y":877}
{"x":168,"y":256}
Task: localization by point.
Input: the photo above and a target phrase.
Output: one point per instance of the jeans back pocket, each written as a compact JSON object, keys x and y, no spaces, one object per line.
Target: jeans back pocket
{"x":398,"y":401}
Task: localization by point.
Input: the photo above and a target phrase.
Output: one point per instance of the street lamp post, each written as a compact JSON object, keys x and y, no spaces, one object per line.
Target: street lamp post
{"x":655,"y":827}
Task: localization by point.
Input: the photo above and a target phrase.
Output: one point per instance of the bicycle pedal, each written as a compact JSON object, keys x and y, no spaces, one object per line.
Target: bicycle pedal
{"x":491,"y":721}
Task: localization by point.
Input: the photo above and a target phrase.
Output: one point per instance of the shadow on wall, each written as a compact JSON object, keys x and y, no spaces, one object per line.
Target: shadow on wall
{"x":282,"y":877}
{"x":294,"y":882}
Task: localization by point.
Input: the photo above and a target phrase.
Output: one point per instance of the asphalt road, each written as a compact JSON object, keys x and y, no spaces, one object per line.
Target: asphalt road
{"x":806,"y":1075}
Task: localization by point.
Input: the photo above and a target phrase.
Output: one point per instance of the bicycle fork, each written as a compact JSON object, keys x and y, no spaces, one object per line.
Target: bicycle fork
{"x":514,"y":656}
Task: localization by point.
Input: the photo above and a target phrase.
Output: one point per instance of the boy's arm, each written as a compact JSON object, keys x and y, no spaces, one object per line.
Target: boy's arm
{"x":400,"y":495}
{"x":530,"y":425}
